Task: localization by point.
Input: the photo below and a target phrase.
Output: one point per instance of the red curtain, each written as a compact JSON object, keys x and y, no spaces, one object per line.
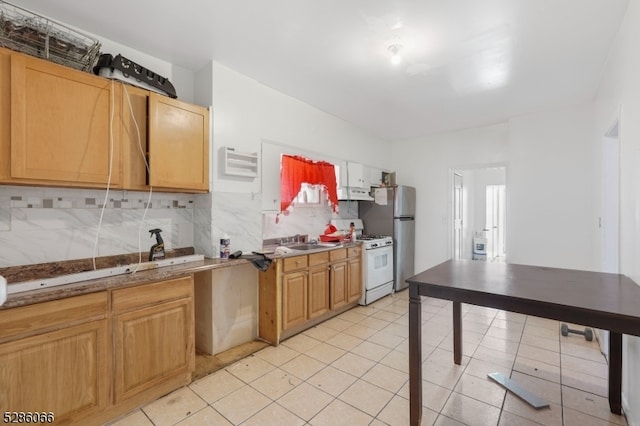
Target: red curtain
{"x":297,"y":170}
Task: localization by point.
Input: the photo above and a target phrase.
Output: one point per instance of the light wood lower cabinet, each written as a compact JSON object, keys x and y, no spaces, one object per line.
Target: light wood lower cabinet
{"x":90,"y":358}
{"x":54,"y":357}
{"x":294,"y":298}
{"x":338,"y":279}
{"x":318,"y":291}
{"x":63,"y":372}
{"x":153,"y":335}
{"x":354,"y":274}
{"x":318,"y":300}
{"x":301,"y":291}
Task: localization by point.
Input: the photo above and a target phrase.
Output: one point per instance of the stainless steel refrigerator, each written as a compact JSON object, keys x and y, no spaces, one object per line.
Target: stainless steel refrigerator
{"x":393,"y":213}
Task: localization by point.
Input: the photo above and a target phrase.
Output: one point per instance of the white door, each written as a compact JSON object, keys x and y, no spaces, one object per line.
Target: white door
{"x":457,"y":216}
{"x":610,"y":212}
{"x":495,"y":221}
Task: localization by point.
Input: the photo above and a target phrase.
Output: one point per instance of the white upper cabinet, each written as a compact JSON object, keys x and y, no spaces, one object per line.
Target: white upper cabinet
{"x":357,"y":176}
{"x":353,"y":181}
{"x":375,"y":176}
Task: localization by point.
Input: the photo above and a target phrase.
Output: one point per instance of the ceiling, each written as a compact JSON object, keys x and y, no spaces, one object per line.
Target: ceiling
{"x":466,"y":63}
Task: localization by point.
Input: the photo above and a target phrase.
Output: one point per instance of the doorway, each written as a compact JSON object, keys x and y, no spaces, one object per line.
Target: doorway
{"x":478,"y":213}
{"x":609,"y":220}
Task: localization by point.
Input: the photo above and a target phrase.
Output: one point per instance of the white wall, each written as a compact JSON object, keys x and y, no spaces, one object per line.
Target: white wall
{"x":552,"y":189}
{"x":620,"y":87}
{"x":246,"y":112}
{"x":427,"y":163}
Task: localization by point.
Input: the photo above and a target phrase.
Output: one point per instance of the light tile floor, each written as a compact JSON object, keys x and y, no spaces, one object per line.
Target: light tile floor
{"x":353,"y":370}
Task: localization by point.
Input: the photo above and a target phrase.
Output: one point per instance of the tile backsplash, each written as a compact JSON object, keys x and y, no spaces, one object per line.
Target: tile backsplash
{"x":305,"y":220}
{"x":40,"y":225}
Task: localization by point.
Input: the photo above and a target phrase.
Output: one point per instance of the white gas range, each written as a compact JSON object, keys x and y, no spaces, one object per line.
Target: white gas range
{"x":377,"y":266}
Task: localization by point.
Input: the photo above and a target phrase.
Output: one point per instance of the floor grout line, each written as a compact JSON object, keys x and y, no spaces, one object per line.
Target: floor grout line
{"x":480,"y":323}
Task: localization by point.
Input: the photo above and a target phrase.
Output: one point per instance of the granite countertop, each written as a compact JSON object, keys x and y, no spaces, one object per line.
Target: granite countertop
{"x":25,"y":273}
{"x":117,"y":281}
{"x":268,"y":250}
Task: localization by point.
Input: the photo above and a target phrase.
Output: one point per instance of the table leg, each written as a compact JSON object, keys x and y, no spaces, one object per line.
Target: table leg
{"x":457,"y":333}
{"x":615,"y":372}
{"x":415,"y":356}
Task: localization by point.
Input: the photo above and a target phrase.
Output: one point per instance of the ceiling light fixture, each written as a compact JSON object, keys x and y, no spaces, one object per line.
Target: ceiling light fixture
{"x":395,"y":53}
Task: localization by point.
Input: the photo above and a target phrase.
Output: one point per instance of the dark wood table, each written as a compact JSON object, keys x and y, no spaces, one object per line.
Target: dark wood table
{"x":606,"y":301}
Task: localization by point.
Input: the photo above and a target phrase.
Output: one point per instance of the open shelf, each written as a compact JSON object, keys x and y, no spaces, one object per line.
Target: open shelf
{"x":237,"y":163}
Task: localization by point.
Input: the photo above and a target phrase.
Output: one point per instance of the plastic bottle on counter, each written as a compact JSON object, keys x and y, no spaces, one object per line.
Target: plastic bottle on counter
{"x":352,"y":228}
{"x":225,"y":247}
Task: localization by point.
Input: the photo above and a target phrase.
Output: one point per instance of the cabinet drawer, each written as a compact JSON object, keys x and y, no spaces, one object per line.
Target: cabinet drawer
{"x":151,"y":294}
{"x":318,"y":258}
{"x":28,"y":320}
{"x":338,"y":254}
{"x":354,"y":251}
{"x":293,"y":263}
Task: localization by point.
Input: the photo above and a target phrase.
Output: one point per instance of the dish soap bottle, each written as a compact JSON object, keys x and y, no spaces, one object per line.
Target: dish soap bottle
{"x":157,"y":250}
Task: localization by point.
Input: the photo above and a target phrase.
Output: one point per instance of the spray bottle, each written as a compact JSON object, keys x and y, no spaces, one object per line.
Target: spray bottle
{"x":157,"y":250}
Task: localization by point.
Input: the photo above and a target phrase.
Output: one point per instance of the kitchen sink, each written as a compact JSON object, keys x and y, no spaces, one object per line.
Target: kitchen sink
{"x":310,"y":246}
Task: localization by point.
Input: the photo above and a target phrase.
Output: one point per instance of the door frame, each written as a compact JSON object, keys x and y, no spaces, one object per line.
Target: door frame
{"x":609,"y":218}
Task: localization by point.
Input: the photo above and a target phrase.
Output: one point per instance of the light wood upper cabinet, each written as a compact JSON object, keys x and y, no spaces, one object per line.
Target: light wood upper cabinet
{"x":64,"y":127}
{"x":132,"y":119}
{"x":170,"y":135}
{"x":5,"y":114}
{"x":178,"y":144}
{"x":61,"y":128}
